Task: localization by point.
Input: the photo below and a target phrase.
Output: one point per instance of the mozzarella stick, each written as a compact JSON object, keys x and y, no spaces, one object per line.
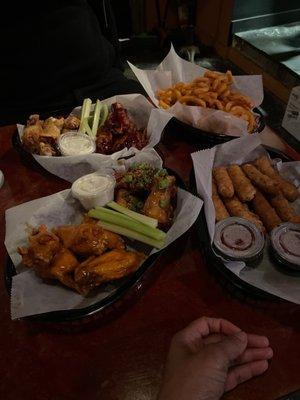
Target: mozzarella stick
{"x":238,"y":209}
{"x":242,"y":185}
{"x":223,"y":182}
{"x":284,"y":209}
{"x":262,"y":181}
{"x":220,"y":209}
{"x":265,"y":211}
{"x":289,"y":190}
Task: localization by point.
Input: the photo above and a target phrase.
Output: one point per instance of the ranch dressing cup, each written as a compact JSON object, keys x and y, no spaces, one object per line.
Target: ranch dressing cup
{"x":94,"y":190}
{"x":75,"y":144}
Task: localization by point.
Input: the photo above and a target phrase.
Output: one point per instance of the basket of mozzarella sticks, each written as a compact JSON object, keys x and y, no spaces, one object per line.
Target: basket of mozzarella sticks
{"x":78,"y":251}
{"x":252,"y":215}
{"x":212,"y":106}
{"x":91,"y":136}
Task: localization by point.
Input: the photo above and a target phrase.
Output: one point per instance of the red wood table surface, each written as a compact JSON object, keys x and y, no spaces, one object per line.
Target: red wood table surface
{"x":122,"y":356}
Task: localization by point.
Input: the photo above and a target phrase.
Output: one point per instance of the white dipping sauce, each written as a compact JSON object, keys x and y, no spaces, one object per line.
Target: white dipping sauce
{"x":94,"y":190}
{"x":75,"y":144}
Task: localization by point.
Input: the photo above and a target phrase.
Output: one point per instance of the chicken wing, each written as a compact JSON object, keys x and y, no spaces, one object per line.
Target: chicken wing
{"x":71,"y":123}
{"x":128,"y":200}
{"x":43,"y":246}
{"x":52,"y":128}
{"x":32,"y":133}
{"x":110,"y":266}
{"x":86,"y":239}
{"x":159,"y":202}
{"x":63,"y":267}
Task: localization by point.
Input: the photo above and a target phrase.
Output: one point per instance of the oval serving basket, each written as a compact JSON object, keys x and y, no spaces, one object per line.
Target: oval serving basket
{"x":224,"y":276}
{"x":133,"y":284}
{"x":200,"y":138}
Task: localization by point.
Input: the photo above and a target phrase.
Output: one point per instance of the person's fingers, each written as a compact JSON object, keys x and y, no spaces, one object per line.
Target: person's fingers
{"x":250,"y":354}
{"x":244,"y":372}
{"x":257,"y":340}
{"x":193,"y":334}
{"x":231,"y":347}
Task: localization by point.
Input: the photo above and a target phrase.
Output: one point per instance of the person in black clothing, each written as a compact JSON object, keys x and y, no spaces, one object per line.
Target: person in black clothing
{"x":54,"y":54}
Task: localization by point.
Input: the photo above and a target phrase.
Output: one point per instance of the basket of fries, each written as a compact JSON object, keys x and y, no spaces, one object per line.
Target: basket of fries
{"x":213,"y":104}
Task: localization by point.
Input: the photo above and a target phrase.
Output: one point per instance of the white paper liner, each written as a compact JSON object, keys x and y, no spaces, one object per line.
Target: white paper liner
{"x":30,"y":295}
{"x":241,"y":150}
{"x":174,"y":69}
{"x":139,"y":108}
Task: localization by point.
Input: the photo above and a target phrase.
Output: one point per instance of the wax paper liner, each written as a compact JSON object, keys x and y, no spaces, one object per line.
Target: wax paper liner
{"x":72,"y":167}
{"x":174,"y":69}
{"x":238,"y":151}
{"x":30,"y":295}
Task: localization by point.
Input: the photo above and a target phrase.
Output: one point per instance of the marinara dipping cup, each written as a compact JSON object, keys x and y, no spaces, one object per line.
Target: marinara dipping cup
{"x":237,"y":239}
{"x":285,"y":240}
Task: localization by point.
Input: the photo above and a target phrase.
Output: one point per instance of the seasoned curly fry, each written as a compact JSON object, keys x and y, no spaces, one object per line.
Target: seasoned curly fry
{"x":213,"y":91}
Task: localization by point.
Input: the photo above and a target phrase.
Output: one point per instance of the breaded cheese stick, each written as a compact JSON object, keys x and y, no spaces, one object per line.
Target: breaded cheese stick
{"x":265,"y":211}
{"x":238,"y":209}
{"x":242,"y":185}
{"x":223,"y":182}
{"x":288,"y":189}
{"x":220,"y":209}
{"x":284,"y":209}
{"x":262,"y":181}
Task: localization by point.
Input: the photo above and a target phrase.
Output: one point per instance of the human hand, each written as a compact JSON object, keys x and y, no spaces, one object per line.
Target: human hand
{"x":210,"y":357}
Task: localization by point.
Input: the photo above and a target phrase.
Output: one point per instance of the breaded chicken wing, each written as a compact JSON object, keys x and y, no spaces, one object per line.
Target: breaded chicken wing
{"x":43,"y":246}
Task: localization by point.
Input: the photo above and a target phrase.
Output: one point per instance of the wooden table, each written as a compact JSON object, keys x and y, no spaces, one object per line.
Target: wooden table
{"x":122,"y":356}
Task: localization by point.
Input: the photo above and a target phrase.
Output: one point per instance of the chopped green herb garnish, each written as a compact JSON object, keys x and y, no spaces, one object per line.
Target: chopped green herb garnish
{"x":163,"y":184}
{"x":163,"y":203}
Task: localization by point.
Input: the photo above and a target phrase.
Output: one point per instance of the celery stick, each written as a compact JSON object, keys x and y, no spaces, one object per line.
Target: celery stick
{"x":132,"y":234}
{"x":83,"y":107}
{"x":111,"y":217}
{"x":97,"y":110}
{"x":87,"y":128}
{"x":103,"y":115}
{"x":138,"y":217}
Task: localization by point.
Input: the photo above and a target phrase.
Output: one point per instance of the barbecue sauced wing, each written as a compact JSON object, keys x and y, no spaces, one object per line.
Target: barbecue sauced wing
{"x":158,"y":204}
{"x":43,"y":246}
{"x":112,"y":265}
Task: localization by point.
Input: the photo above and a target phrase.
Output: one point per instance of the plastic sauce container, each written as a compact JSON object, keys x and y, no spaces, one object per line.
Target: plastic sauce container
{"x":94,"y":189}
{"x":285,"y":240}
{"x":75,"y":144}
{"x":238,"y":239}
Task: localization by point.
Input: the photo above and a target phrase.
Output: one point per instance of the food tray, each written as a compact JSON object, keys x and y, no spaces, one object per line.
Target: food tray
{"x":202,"y":139}
{"x":226,"y":278}
{"x":133,"y":283}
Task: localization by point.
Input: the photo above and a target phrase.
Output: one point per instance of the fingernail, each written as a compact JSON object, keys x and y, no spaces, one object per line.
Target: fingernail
{"x":270,"y":353}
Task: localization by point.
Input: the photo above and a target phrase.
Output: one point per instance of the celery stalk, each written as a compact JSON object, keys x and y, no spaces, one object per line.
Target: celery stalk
{"x":132,"y":234}
{"x":129,"y":223}
{"x":86,"y":110}
{"x":138,"y":217}
{"x":87,"y":128}
{"x":103,"y":115}
{"x":97,"y":111}
{"x":83,"y":107}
